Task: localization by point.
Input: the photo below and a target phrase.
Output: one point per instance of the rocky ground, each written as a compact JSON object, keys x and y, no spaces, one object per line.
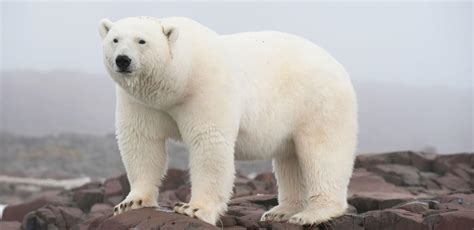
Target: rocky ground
{"x":402,"y":190}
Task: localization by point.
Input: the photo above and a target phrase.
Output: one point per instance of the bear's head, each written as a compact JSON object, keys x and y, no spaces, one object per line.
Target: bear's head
{"x":138,"y":54}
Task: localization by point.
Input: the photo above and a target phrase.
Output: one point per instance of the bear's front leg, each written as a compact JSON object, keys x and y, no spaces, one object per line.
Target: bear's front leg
{"x":145,"y":163}
{"x":212,"y":170}
{"x":141,"y":134}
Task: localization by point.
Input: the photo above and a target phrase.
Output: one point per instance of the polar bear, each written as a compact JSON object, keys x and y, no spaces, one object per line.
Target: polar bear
{"x":245,"y":96}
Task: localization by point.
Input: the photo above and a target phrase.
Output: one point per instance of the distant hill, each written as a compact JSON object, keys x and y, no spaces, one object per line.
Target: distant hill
{"x":392,"y":116}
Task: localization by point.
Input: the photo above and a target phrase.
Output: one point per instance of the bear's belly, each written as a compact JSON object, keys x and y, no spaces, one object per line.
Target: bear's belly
{"x":257,"y":145}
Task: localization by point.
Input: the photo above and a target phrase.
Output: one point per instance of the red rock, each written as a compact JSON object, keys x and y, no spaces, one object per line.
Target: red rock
{"x":237,"y":210}
{"x":112,"y":188}
{"x":456,"y":220}
{"x":174,"y":179}
{"x":87,"y":197}
{"x":401,"y":190}
{"x":452,"y":182}
{"x":125,"y":184}
{"x":377,"y":201}
{"x":10,"y":225}
{"x":446,"y":163}
{"x":101,"y":207}
{"x":394,"y":220}
{"x":52,"y":217}
{"x":235,"y":228}
{"x":114,"y":200}
{"x":183,"y":193}
{"x":90,"y":185}
{"x":148,"y":218}
{"x":368,"y":183}
{"x":403,"y":175}
{"x":242,"y":187}
{"x":250,"y":221}
{"x":269,"y":181}
{"x":227,"y":221}
{"x":282,"y":226}
{"x":421,"y":161}
{"x":268,"y":200}
{"x":17,"y":212}
{"x":93,"y":220}
{"x":418,"y":207}
{"x":347,"y":221}
{"x":168,"y":198}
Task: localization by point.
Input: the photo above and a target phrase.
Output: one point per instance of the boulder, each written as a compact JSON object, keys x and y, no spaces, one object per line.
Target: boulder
{"x":53,"y":217}
{"x":17,"y":212}
{"x":87,"y":197}
{"x":398,"y":190}
{"x":174,"y":179}
{"x":150,"y":218}
{"x":10,"y":225}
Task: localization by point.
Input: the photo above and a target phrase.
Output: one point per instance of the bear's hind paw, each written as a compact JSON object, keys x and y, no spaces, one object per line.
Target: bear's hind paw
{"x":279,"y":213}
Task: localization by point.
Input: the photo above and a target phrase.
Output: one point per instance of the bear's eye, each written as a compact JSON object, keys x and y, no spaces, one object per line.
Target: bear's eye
{"x":142,"y":42}
{"x":115,"y":40}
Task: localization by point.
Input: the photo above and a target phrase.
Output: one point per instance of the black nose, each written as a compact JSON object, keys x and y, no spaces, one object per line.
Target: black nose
{"x":123,"y":61}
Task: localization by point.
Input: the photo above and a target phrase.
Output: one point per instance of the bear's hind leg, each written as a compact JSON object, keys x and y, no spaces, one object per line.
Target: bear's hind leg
{"x":291,"y":189}
{"x":326,"y":159}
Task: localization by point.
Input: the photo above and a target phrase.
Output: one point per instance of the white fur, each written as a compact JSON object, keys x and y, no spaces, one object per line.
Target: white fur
{"x":246,"y":96}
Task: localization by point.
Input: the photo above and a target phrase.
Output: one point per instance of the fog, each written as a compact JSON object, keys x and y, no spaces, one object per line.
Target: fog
{"x":411,"y":63}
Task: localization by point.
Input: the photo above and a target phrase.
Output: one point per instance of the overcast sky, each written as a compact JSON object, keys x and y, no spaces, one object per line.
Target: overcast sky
{"x":423,"y":43}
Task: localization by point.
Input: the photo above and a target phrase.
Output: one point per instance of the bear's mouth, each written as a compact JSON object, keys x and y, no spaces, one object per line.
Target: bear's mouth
{"x":124,"y":71}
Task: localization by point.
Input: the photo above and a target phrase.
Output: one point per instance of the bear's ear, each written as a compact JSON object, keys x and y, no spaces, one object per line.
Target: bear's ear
{"x":171,"y":33}
{"x":104,"y":27}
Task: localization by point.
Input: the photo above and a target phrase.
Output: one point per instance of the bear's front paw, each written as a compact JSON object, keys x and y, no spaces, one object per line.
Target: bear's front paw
{"x":196,"y":211}
{"x":134,"y":202}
